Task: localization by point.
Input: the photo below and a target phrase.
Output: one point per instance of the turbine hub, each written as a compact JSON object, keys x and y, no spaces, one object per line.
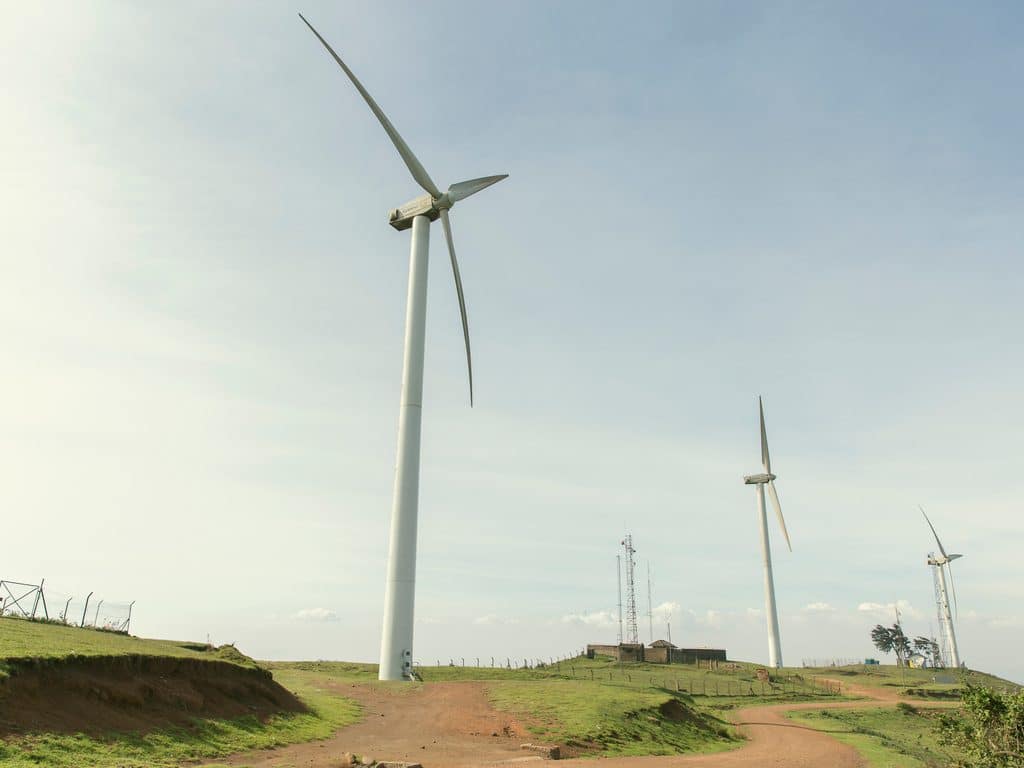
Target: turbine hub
{"x":759,"y":479}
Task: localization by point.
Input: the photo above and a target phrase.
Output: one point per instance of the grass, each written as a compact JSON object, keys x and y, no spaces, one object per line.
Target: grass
{"x":22,"y":640}
{"x":886,"y":737}
{"x":597,"y":705}
{"x":615,"y":719}
{"x":202,"y":739}
{"x":920,"y":683}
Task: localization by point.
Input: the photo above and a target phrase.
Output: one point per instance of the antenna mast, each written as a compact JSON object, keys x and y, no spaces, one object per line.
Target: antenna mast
{"x":632,"y":634}
{"x":618,"y":583}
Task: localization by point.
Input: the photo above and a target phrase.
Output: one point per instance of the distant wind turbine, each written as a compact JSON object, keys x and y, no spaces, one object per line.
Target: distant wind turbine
{"x":942,"y":564}
{"x":399,"y":596}
{"x":761,"y":480}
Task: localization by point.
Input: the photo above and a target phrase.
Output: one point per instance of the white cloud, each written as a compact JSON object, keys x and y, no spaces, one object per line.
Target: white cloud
{"x":666,"y":611}
{"x":887,"y":611}
{"x":711,"y":618}
{"x":317,"y":614}
{"x":819,"y":607}
{"x":593,"y":619}
{"x":492,"y":618}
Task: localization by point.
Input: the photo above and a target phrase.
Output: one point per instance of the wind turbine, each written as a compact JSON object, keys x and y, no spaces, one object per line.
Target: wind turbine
{"x":942,"y":564}
{"x":761,"y":480}
{"x":399,"y":595}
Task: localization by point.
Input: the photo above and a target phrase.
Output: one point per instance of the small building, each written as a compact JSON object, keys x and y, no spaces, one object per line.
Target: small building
{"x":658,"y":652}
{"x":917,"y":661}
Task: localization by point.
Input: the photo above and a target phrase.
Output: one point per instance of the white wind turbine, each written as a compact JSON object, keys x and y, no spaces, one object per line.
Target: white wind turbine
{"x":761,"y":480}
{"x":399,"y":594}
{"x":942,"y":563}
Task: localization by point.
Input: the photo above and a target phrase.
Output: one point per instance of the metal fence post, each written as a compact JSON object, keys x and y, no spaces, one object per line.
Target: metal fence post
{"x":84,"y":609}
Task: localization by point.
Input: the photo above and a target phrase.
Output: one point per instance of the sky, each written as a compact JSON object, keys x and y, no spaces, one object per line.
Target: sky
{"x":203,"y":308}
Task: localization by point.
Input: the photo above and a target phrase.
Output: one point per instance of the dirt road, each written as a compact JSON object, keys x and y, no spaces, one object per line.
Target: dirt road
{"x":452,"y":725}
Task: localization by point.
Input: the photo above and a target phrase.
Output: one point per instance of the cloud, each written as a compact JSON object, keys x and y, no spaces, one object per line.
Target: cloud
{"x":819,"y":608}
{"x":492,"y":618}
{"x":592,"y":619}
{"x":888,"y":610}
{"x":711,"y":618}
{"x":317,"y":614}
{"x":666,"y":611}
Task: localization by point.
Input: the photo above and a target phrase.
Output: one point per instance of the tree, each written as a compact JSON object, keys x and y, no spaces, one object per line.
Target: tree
{"x":988,"y":730}
{"x":928,"y":648}
{"x":891,"y":640}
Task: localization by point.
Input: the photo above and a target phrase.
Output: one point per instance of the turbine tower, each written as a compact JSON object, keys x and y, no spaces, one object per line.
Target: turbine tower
{"x":399,"y":595}
{"x":761,"y":480}
{"x":941,"y":563}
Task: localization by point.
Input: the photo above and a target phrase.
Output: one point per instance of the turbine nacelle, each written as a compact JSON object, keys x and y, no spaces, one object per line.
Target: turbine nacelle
{"x":430,"y":206}
{"x":759,"y":479}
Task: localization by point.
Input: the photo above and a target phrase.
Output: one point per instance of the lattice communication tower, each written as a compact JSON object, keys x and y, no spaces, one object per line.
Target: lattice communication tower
{"x":632,"y":633}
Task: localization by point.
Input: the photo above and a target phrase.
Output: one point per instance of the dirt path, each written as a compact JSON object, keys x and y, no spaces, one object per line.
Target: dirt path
{"x":441,"y":724}
{"x":452,"y":725}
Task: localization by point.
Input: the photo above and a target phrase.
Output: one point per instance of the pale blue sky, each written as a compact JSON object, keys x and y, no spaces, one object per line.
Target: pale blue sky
{"x":204,"y":309}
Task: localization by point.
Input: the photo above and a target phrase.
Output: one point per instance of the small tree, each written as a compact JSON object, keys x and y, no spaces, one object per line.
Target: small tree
{"x":988,"y":729}
{"x":929,"y":649}
{"x":891,"y":640}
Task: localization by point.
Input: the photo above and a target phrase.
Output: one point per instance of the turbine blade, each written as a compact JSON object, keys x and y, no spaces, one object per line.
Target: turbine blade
{"x":941,"y":549}
{"x":463,"y":189}
{"x":778,"y":511}
{"x":419,"y":173}
{"x":462,"y":299}
{"x":766,"y":460}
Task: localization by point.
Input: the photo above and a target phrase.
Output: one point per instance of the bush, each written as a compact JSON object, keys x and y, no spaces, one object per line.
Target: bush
{"x":988,"y":729}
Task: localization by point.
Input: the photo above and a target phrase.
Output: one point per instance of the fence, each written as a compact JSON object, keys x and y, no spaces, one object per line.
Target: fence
{"x":832,"y":661}
{"x":714,"y":679}
{"x":39,"y":601}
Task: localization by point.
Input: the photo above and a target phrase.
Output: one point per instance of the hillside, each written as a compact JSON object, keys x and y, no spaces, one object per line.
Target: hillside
{"x":83,"y":698}
{"x":66,"y":692}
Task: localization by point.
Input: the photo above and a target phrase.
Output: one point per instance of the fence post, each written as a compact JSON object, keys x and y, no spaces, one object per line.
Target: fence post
{"x":39,"y":593}
{"x":128,"y":623}
{"x":82,"y":624}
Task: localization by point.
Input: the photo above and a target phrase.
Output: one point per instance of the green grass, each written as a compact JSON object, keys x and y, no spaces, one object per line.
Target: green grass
{"x":21,"y":640}
{"x":599,"y":705}
{"x":885,"y":737}
{"x":204,"y":739}
{"x":616,"y":719}
{"x":921,"y":683}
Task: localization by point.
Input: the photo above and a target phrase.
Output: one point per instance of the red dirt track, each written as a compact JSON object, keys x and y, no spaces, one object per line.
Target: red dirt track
{"x":450,"y":725}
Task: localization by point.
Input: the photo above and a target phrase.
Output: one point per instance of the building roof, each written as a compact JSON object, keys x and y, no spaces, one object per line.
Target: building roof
{"x":662,"y":644}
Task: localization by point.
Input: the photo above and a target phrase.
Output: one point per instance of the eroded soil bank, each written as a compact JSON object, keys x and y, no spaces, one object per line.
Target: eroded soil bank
{"x":97,"y":695}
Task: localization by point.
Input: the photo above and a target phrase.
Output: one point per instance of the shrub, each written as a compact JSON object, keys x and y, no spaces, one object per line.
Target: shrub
{"x":988,"y":729}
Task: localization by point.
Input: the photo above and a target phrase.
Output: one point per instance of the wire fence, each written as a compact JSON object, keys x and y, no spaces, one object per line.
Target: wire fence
{"x":702,"y":678}
{"x":42,"y":602}
{"x":834,"y":661}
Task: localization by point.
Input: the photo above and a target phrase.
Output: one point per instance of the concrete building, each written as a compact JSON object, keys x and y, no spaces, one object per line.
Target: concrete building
{"x":658,"y":652}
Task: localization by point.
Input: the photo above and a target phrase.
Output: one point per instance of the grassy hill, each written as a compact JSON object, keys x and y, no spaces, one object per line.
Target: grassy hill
{"x":22,"y":641}
{"x":78,"y":698}
{"x":51,"y":674}
{"x":596,"y":706}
